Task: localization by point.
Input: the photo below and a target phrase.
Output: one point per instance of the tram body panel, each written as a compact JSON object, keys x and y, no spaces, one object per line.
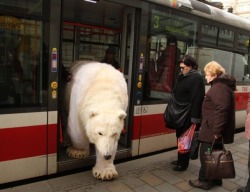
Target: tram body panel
{"x":150,"y":133}
{"x":29,"y":141}
{"x":28,"y":145}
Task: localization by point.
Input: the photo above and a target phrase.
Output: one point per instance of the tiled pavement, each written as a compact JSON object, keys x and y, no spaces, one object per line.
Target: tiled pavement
{"x":148,"y":174}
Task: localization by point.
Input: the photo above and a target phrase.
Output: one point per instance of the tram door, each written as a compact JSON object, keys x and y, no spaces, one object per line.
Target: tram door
{"x":127,"y":50}
{"x":89,"y":30}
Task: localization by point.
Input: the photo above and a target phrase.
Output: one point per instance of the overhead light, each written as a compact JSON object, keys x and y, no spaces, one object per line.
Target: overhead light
{"x":92,"y":1}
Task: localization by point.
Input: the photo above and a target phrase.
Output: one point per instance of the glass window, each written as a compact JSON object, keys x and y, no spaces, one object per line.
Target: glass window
{"x":226,"y":38}
{"x":234,"y":63}
{"x":21,"y":63}
{"x":169,"y":36}
{"x":88,"y":43}
{"x":243,"y":42}
{"x":29,"y":7}
{"x":208,"y":35}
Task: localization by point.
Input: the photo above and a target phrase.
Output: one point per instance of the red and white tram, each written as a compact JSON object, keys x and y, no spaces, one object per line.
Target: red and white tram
{"x":40,"y":38}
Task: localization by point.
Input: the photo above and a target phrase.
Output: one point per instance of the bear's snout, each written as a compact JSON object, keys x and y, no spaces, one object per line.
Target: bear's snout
{"x":107,"y":157}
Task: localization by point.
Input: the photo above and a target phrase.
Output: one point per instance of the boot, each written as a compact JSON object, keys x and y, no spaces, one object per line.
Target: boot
{"x":217,"y":182}
{"x":183,"y":162}
{"x":200,"y":184}
{"x":174,"y":162}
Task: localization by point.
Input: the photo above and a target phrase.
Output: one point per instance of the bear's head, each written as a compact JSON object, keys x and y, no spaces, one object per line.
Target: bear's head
{"x":103,"y":129}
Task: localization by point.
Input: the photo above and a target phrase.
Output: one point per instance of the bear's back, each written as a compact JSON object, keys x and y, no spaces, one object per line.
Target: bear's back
{"x":93,"y":80}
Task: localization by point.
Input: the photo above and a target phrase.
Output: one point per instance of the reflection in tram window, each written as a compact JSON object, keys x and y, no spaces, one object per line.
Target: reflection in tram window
{"x":20,"y":63}
{"x":170,"y":37}
{"x":235,"y":63}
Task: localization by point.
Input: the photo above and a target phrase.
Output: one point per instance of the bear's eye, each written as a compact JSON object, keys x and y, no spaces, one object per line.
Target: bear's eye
{"x":114,"y":134}
{"x":100,"y":133}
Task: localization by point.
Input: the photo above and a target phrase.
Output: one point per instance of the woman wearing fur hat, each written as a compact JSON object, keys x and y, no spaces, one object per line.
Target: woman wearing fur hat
{"x":218,"y":117}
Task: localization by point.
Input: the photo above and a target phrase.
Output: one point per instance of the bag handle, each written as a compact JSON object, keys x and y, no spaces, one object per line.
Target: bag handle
{"x":222,"y":143}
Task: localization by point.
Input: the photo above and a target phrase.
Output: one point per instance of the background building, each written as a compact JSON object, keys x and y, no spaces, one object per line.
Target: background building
{"x":238,"y":7}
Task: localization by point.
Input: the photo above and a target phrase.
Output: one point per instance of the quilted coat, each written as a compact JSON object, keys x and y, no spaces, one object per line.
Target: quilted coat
{"x":218,"y":110}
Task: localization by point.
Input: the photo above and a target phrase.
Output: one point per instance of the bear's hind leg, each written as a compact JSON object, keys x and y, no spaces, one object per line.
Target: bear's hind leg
{"x":77,"y":153}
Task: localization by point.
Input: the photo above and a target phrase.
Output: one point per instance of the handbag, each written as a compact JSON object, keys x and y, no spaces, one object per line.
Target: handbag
{"x":195,"y":145}
{"x":184,"y":141}
{"x":176,"y":113}
{"x":219,"y":163}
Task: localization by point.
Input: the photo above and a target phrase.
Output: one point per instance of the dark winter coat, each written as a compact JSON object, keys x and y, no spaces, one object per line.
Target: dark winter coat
{"x":218,"y":110}
{"x":190,"y":88}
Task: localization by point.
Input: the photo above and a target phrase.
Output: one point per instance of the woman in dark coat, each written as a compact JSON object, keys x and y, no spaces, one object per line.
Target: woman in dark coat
{"x":189,"y":88}
{"x":110,"y":58}
{"x":218,"y":117}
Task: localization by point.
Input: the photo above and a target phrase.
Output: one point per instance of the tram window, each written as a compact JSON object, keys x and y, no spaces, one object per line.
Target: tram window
{"x":243,"y":42}
{"x":31,"y":7}
{"x":208,"y":35}
{"x":87,"y":42}
{"x":243,"y":45}
{"x":234,"y":63}
{"x":68,"y":32}
{"x":67,"y":54}
{"x":21,"y":64}
{"x":226,"y":38}
{"x":169,"y":36}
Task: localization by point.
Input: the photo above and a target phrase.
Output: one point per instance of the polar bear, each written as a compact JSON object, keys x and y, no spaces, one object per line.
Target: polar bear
{"x":97,"y":102}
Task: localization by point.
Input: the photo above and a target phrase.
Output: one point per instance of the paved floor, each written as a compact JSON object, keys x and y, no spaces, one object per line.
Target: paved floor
{"x":148,"y":174}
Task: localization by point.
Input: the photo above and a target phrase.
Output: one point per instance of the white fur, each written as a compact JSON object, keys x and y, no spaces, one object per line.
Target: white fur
{"x":98,"y":102}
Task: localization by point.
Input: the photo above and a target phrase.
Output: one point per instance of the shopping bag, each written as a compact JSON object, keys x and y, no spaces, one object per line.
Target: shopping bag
{"x":184,"y":141}
{"x":219,"y":163}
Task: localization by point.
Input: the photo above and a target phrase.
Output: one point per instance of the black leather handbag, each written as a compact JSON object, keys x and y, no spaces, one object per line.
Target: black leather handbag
{"x":219,"y":164}
{"x":176,"y":113}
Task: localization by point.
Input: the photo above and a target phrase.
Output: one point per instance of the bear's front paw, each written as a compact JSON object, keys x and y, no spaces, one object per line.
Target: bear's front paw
{"x":107,"y":173}
{"x":77,"y":153}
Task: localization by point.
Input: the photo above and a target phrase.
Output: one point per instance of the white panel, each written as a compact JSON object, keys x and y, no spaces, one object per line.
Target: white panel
{"x":22,"y":119}
{"x":27,"y":119}
{"x":243,"y":89}
{"x":149,"y":109}
{"x":152,"y":144}
{"x":240,"y":118}
{"x":52,"y":163}
{"x":22,"y":169}
{"x":52,"y":117}
{"x":135,"y":147}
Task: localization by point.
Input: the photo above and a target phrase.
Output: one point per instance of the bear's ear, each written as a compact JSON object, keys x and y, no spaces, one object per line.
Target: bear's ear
{"x":122,"y":115}
{"x":93,"y":113}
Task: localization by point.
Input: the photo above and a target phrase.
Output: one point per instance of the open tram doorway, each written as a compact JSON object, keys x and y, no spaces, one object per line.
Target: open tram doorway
{"x":88,"y":30}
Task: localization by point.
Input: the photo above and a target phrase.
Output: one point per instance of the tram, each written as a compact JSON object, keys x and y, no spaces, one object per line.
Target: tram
{"x":40,"y":38}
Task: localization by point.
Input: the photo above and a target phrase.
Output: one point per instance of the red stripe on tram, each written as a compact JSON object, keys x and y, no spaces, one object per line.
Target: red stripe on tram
{"x":24,"y":142}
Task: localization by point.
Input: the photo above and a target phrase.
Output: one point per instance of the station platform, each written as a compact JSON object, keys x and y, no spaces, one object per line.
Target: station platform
{"x":148,"y":174}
